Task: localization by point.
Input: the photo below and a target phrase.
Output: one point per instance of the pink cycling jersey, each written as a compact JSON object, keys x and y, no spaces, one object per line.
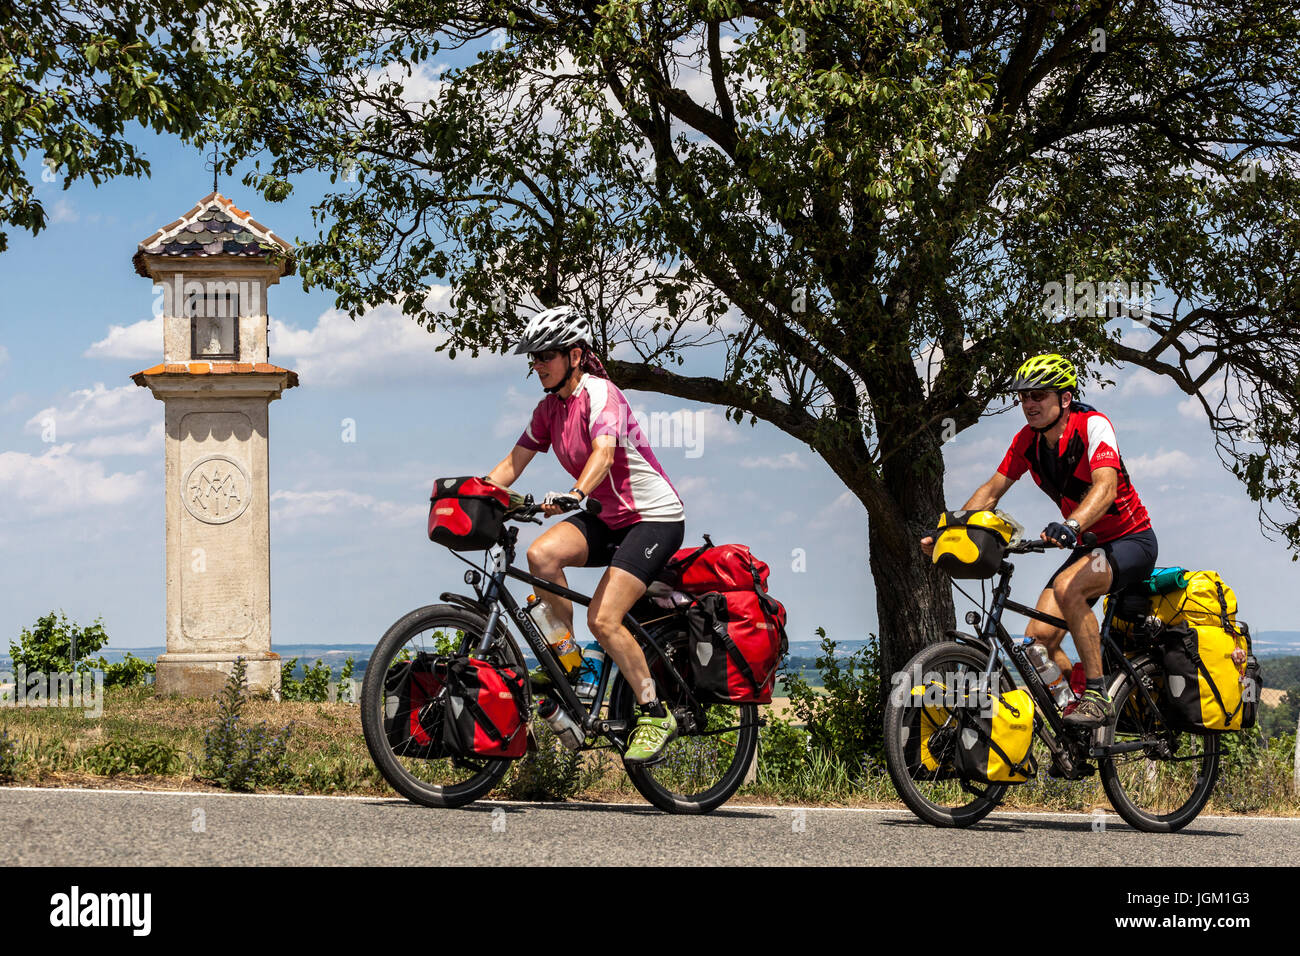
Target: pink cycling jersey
{"x":636,"y":488}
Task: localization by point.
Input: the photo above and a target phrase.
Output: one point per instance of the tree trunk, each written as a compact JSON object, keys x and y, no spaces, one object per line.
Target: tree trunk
{"x":913,"y":599}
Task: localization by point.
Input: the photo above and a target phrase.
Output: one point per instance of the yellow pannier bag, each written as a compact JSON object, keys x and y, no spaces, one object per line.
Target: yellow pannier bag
{"x":930,"y":730}
{"x":971,"y":544}
{"x":994,"y":744}
{"x":1205,"y":602}
{"x":1203,"y":684}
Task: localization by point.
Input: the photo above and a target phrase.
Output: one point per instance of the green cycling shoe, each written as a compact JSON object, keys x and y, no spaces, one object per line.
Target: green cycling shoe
{"x":650,"y":738}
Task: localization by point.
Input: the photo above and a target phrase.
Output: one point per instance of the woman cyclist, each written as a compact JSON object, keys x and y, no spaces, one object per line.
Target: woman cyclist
{"x":590,"y":424}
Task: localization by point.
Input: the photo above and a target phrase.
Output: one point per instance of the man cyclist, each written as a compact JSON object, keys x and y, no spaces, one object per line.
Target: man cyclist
{"x":1071,"y":451}
{"x":589,"y":422}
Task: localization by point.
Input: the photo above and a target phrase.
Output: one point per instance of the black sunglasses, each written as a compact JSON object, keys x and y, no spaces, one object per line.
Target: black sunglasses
{"x":546,"y":356}
{"x":1037,"y":395}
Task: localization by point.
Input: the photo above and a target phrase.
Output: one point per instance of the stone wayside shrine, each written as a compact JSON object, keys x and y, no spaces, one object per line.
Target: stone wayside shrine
{"x":215,"y":265}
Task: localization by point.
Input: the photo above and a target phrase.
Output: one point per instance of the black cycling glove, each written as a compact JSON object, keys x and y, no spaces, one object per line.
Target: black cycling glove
{"x":1062,"y":534}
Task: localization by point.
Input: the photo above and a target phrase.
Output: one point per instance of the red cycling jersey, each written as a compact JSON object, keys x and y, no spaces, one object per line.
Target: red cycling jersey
{"x":1065,"y":472}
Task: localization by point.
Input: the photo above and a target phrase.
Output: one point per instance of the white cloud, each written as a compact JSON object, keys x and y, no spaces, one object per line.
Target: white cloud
{"x":55,"y":483}
{"x":1141,"y":382}
{"x":63,"y":212}
{"x":516,"y":413}
{"x":790,"y":459}
{"x":144,"y":443}
{"x":141,"y":340}
{"x":1163,"y":464}
{"x":839,"y":513}
{"x":377,"y":348}
{"x":296,"y":505}
{"x":97,"y":409}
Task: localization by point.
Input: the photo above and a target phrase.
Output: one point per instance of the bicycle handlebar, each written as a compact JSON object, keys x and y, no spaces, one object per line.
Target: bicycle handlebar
{"x":1088,"y":540}
{"x":530,"y":509}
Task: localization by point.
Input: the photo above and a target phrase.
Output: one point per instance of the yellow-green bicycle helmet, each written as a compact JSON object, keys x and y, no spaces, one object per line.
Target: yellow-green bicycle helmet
{"x":1046,"y":371}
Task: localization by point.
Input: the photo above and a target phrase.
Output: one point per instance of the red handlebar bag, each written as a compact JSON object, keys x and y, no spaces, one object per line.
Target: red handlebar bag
{"x":466,"y":514}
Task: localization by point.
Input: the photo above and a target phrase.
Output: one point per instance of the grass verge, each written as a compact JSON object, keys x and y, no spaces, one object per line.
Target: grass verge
{"x":148,"y":742}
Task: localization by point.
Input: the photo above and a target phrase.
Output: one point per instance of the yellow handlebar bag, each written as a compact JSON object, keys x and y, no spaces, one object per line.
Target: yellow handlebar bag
{"x":971,"y":544}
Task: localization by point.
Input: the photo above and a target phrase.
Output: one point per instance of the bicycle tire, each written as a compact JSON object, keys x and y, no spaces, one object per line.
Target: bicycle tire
{"x":720,"y":760}
{"x":424,"y":781}
{"x":899,"y":708}
{"x":1147,"y":776}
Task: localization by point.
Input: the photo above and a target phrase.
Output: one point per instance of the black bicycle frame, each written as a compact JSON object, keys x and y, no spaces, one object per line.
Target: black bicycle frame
{"x":495,"y":595}
{"x":993,"y":633}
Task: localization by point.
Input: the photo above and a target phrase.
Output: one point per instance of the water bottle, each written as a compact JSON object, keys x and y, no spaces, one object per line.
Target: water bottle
{"x":1056,"y":683}
{"x":561,"y":724}
{"x":593,"y":662}
{"x":557,"y":635}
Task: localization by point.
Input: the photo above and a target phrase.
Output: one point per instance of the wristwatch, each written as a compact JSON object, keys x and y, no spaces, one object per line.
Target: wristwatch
{"x":1073,"y":526}
{"x":582,"y":495}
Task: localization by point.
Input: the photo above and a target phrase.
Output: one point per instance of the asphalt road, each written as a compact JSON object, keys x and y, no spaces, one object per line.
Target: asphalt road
{"x":111,"y":827}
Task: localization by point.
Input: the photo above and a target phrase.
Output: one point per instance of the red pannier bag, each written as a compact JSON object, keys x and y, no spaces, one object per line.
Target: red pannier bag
{"x":484,"y":711}
{"x":466,"y":514}
{"x":737,"y":641}
{"x":723,"y":567}
{"x":412,"y":710}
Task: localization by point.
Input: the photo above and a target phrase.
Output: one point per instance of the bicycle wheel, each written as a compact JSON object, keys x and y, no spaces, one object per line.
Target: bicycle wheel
{"x":438,"y":780}
{"x":705,"y":765}
{"x":936,"y":796}
{"x":1160,"y":788}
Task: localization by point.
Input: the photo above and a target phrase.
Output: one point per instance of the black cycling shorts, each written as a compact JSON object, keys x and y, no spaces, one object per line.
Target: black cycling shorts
{"x":642,"y":548}
{"x":1132,"y":558}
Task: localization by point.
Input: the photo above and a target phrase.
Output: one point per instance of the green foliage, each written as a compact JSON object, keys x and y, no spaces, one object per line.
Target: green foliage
{"x":314,"y":685}
{"x":846,"y":722}
{"x":553,"y":772}
{"x":75,"y":73}
{"x":1281,"y":719}
{"x":131,"y":756}
{"x":46,"y":648}
{"x":783,"y":750}
{"x":131,"y":671}
{"x":1283,"y":672}
{"x":8,"y":756}
{"x":1257,"y":773}
{"x":237,"y":756}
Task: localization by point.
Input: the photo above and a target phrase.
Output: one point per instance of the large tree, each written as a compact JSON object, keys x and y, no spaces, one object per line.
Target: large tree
{"x":847,"y":215}
{"x":76,"y":75}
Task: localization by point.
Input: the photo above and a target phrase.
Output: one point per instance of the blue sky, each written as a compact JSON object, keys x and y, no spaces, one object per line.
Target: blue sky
{"x":81,"y":526}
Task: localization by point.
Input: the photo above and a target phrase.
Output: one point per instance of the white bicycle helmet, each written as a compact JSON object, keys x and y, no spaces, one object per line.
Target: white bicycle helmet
{"x":554,"y":329}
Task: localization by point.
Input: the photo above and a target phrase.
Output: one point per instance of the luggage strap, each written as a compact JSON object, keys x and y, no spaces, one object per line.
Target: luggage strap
{"x":1026,"y":767}
{"x":483,"y":720}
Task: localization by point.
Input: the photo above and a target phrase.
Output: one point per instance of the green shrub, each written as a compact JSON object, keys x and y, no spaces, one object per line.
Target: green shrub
{"x":553,"y":772}
{"x":131,"y":671}
{"x":8,"y":756}
{"x":131,"y":756}
{"x":1256,"y":772}
{"x":782,"y":750}
{"x":235,"y":755}
{"x":846,"y":723}
{"x":47,"y":647}
{"x":314,"y":687}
